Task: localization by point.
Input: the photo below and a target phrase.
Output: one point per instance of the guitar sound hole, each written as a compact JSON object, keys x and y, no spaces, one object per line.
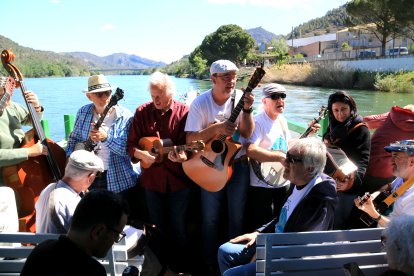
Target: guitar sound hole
{"x":217,"y":146}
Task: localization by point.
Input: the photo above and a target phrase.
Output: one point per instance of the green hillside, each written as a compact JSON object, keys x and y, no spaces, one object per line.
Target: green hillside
{"x":35,"y":64}
{"x":333,"y":21}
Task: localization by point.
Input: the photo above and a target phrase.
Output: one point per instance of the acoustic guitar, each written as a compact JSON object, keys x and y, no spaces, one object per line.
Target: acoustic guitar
{"x":89,"y":144}
{"x":161,"y":148}
{"x":212,"y":168}
{"x":272,"y":172}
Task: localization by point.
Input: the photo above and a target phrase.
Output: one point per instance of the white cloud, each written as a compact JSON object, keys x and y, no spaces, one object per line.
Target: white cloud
{"x":55,"y":1}
{"x":107,"y":27}
{"x":268,"y":3}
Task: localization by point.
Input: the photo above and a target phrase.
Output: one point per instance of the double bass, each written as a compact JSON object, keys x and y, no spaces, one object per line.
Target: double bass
{"x":30,"y":177}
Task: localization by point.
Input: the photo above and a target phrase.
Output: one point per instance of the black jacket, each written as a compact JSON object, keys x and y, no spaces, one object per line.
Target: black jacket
{"x":314,"y":213}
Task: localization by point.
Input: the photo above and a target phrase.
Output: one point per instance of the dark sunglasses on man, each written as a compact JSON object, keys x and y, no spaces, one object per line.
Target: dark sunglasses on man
{"x":277,"y":96}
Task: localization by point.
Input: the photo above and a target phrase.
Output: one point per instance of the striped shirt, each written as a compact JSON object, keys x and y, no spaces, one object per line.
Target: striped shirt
{"x":120,"y":174}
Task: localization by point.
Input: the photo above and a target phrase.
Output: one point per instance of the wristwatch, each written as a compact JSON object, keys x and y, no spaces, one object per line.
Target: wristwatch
{"x":248,"y":111}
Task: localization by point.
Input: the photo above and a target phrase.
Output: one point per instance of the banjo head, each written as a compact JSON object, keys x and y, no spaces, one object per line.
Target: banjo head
{"x":272,"y":173}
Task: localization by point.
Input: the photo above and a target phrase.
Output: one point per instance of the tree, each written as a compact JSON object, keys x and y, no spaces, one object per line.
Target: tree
{"x":383,"y":13}
{"x":228,"y":42}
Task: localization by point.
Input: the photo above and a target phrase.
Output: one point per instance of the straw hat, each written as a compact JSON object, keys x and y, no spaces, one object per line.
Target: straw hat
{"x":98,"y":83}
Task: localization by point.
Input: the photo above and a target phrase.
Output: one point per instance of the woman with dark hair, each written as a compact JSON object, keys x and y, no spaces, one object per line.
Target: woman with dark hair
{"x":347,"y":132}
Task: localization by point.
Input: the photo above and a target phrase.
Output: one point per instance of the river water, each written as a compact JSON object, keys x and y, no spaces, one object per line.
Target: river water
{"x":61,"y":96}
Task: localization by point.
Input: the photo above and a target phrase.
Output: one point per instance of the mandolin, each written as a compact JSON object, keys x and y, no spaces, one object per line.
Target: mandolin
{"x":8,"y":84}
{"x":212,"y":168}
{"x":161,"y":147}
{"x":89,"y":144}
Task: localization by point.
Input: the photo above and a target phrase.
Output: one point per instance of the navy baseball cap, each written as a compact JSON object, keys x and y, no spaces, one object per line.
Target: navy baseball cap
{"x":401,"y":146}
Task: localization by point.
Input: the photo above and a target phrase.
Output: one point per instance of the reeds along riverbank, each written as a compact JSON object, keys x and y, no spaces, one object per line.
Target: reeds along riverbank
{"x":331,"y":75}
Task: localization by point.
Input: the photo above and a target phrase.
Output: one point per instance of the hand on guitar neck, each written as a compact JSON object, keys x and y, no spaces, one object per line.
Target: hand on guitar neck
{"x":97,"y":135}
{"x":36,"y":150}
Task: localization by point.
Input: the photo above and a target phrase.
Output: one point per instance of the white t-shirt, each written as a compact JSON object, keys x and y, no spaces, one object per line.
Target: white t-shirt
{"x":65,"y":202}
{"x":270,"y":135}
{"x":293,"y":200}
{"x":204,"y":111}
{"x":405,"y":203}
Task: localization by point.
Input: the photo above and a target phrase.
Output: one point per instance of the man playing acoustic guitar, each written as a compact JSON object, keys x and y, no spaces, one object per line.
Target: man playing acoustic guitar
{"x":208,"y":118}
{"x":402,"y":160}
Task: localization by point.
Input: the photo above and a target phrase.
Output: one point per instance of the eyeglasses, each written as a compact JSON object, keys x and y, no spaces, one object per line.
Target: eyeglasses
{"x":227,"y":77}
{"x":100,"y":94}
{"x":277,"y":96}
{"x":121,"y":235}
{"x":291,"y":159}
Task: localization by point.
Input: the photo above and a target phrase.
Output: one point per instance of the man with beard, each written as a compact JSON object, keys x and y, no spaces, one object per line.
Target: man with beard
{"x":209,"y":118}
{"x":402,"y":160}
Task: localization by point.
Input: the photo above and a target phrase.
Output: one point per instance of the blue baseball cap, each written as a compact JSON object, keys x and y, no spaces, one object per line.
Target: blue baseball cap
{"x":401,"y":146}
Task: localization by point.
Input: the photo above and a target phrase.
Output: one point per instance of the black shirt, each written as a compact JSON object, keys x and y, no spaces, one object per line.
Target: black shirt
{"x":61,"y":257}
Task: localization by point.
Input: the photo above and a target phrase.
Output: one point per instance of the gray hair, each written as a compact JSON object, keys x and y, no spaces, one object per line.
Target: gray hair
{"x":400,"y":243}
{"x":313,"y":154}
{"x":75,"y":173}
{"x":160,"y":79}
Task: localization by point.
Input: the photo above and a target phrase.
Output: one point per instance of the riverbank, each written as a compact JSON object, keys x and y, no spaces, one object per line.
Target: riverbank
{"x":331,"y":75}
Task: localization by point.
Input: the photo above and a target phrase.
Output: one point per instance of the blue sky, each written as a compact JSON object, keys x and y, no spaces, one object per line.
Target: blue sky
{"x":161,"y":30}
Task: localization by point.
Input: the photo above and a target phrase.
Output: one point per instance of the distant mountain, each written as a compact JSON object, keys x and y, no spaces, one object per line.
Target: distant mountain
{"x":261,"y":35}
{"x":118,"y":61}
{"x":36,"y":63}
{"x":331,"y":22}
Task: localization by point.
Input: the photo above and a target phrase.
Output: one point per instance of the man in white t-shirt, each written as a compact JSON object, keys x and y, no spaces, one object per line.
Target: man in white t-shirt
{"x":268,"y":143}
{"x":57,"y":202}
{"x":402,"y":161}
{"x":207,"y":119}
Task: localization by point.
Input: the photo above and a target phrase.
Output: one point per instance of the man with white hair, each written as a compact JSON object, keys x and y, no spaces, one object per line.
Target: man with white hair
{"x":57,"y":202}
{"x":309,"y":207}
{"x":209,"y":118}
{"x":167,"y":189}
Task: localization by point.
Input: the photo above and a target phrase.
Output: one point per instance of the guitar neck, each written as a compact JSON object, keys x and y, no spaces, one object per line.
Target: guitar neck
{"x":4,"y":98}
{"x":175,"y":148}
{"x":42,"y":137}
{"x":102,"y":117}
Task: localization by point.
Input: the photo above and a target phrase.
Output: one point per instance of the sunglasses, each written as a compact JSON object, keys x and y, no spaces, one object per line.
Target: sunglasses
{"x":100,"y":94}
{"x":277,"y":96}
{"x":291,"y":159}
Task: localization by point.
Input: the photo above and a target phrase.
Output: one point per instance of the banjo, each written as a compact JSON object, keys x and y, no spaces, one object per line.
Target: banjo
{"x":272,"y":172}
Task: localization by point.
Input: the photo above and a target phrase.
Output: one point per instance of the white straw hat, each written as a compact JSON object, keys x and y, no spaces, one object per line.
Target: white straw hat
{"x":98,"y":83}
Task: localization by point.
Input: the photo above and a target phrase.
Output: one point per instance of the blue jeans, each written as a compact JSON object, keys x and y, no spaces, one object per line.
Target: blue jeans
{"x":211,"y":204}
{"x":169,"y":212}
{"x":234,"y":259}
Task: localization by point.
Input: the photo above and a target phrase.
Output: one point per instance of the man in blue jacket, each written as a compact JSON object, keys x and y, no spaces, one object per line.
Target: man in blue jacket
{"x":309,"y":207}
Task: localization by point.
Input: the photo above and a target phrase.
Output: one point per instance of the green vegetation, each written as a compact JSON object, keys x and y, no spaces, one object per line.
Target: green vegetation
{"x":400,"y":82}
{"x":330,"y":75}
{"x":333,"y":21}
{"x":37,"y":64}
